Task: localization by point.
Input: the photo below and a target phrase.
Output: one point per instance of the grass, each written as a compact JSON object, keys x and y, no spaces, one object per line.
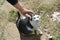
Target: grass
{"x":58,"y":32}
{"x":2,"y":2}
{"x":12,"y":15}
{"x":52,"y":27}
{"x":45,"y":7}
{"x":2,"y":33}
{"x":58,"y":26}
{"x":1,"y":26}
{"x":58,"y":37}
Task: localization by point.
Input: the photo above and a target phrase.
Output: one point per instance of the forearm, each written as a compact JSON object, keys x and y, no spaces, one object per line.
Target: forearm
{"x":19,"y":6}
{"x":16,"y":4}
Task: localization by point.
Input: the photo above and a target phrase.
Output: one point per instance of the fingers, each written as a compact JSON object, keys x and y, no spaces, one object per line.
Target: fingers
{"x":24,"y":13}
{"x":30,"y":12}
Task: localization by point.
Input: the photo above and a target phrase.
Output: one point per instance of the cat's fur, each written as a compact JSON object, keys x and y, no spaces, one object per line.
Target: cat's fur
{"x":22,"y":24}
{"x":36,"y":18}
{"x":26,"y":25}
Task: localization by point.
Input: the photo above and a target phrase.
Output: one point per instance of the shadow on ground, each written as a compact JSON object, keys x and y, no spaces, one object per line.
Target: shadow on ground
{"x":33,"y":37}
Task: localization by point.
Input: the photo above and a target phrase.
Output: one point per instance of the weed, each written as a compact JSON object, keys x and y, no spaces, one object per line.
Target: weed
{"x":58,"y":37}
{"x":58,"y":26}
{"x":2,"y":2}
{"x":12,"y":15}
{"x":2,"y":33}
{"x":47,"y":8}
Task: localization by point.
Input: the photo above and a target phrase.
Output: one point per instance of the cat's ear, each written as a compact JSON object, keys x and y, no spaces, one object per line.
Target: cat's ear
{"x":38,"y":13}
{"x":35,"y":14}
{"x":18,"y":14}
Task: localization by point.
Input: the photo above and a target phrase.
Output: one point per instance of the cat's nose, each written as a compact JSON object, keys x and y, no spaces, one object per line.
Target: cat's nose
{"x":36,"y":20}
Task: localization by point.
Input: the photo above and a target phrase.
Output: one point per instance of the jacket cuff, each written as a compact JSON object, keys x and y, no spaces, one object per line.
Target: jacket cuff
{"x":13,"y":2}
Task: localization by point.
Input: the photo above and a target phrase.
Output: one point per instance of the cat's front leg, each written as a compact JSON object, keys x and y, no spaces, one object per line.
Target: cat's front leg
{"x":39,"y":31}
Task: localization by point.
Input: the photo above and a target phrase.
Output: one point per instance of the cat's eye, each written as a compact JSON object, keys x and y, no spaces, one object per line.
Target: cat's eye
{"x":34,"y":17}
{"x":38,"y":17}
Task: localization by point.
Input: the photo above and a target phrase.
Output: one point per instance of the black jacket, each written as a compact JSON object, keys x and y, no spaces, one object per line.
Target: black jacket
{"x":13,"y":2}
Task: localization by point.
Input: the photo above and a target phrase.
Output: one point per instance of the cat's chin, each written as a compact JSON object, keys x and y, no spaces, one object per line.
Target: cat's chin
{"x":34,"y":23}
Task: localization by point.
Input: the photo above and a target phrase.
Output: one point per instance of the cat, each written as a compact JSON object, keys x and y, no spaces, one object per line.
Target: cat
{"x":35,"y":22}
{"x":27,"y":24}
{"x":22,"y":23}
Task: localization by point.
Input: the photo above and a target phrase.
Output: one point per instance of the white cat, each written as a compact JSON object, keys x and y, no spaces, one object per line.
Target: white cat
{"x":27,"y":24}
{"x":35,"y":22}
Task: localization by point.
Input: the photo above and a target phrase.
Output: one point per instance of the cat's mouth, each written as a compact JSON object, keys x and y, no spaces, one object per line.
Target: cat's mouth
{"x":37,"y":21}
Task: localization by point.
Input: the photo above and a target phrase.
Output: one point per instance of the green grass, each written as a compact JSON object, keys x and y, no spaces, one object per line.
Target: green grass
{"x":46,"y":8}
{"x":2,"y":33}
{"x":58,"y":26}
{"x":12,"y":15}
{"x":58,"y":37}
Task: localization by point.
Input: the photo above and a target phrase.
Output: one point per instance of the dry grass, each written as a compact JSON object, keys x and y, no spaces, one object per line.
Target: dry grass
{"x":1,"y":26}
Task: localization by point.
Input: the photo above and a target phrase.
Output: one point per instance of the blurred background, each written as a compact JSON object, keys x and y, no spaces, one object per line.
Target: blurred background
{"x":8,"y":15}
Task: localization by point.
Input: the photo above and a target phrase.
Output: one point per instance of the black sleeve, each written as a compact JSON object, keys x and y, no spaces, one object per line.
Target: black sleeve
{"x":13,"y":2}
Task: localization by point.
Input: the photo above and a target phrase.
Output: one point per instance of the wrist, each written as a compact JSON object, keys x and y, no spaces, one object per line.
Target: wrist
{"x":21,"y":9}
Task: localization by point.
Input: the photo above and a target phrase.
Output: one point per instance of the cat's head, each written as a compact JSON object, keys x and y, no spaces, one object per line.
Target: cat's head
{"x":36,"y":17}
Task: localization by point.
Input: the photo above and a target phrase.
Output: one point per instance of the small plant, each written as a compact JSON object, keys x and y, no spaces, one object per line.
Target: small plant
{"x":12,"y":15}
{"x":2,"y":2}
{"x":58,"y":37}
{"x":47,"y":8}
{"x":2,"y":33}
{"x":58,"y":26}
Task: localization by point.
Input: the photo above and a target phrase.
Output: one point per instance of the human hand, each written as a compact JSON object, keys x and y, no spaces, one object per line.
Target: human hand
{"x":26,"y":11}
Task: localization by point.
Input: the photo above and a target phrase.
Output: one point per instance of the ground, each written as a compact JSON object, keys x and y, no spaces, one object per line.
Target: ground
{"x":10,"y":31}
